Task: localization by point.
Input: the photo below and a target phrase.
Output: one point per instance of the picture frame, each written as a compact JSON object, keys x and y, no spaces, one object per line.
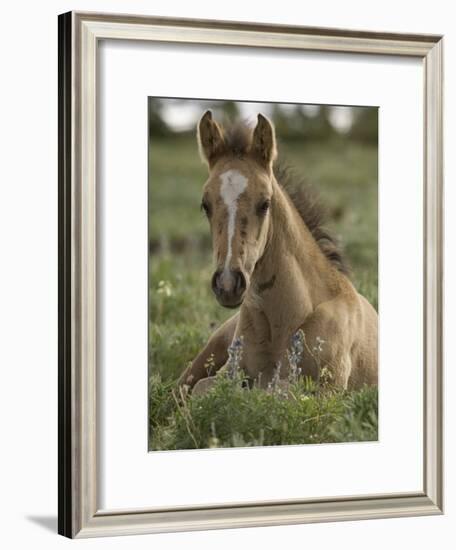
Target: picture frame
{"x":79,"y":37}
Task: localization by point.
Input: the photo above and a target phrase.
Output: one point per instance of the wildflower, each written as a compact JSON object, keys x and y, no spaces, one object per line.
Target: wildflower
{"x":165,"y":288}
{"x":274,"y":384}
{"x":297,"y":341}
{"x":319,"y":347}
{"x":326,"y":376}
{"x":214,"y":441}
{"x":234,"y":356}
{"x":210,"y":364}
{"x":295,"y":354}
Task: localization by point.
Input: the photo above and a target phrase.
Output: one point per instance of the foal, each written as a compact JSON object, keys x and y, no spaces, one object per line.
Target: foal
{"x":275,"y":261}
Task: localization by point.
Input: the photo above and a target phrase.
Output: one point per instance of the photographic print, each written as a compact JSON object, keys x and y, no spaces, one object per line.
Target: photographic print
{"x":263,"y":274}
{"x":253,"y":227}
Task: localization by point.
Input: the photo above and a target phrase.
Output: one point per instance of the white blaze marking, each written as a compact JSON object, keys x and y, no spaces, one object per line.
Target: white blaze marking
{"x":233,"y":185}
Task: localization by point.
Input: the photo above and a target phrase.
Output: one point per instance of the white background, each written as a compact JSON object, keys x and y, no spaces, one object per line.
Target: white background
{"x":28,"y":289}
{"x":132,"y":478}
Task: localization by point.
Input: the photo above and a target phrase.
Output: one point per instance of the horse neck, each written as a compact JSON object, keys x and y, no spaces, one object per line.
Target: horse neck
{"x":293,"y":269}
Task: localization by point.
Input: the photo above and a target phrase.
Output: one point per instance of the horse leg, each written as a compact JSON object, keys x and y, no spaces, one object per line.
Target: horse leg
{"x":327,"y":343}
{"x":213,"y":356}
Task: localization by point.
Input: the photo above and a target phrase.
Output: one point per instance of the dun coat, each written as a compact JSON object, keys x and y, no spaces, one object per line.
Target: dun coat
{"x":275,"y":261}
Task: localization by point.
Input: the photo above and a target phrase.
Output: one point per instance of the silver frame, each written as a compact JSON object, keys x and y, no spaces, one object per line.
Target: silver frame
{"x":79,"y":34}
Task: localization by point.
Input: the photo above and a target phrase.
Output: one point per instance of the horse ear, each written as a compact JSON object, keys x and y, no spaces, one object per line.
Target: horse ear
{"x":263,"y":142}
{"x":210,"y":139}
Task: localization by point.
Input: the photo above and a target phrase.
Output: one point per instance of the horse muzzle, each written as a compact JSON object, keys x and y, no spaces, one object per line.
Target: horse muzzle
{"x":229,"y":287}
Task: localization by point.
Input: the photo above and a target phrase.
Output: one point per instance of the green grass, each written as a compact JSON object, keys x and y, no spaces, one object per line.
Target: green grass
{"x":229,"y":415}
{"x":183,"y":312}
{"x":176,"y":177}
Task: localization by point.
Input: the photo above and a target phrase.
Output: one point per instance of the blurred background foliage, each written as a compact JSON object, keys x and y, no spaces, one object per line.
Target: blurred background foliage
{"x":334,"y":148}
{"x":174,"y":117}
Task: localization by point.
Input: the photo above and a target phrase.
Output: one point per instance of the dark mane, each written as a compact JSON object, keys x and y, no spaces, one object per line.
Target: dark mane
{"x":314,"y":214}
{"x":306,"y":201}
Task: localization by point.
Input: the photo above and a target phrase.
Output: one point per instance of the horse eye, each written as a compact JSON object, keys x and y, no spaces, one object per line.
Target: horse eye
{"x":206,"y":208}
{"x":263,"y":207}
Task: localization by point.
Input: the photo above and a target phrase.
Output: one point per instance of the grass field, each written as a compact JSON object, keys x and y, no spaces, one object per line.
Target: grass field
{"x":183,"y":311}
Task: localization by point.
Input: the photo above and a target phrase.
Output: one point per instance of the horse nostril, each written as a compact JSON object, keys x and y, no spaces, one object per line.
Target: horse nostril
{"x":226,"y":284}
{"x":240,"y":282}
{"x":215,"y":283}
